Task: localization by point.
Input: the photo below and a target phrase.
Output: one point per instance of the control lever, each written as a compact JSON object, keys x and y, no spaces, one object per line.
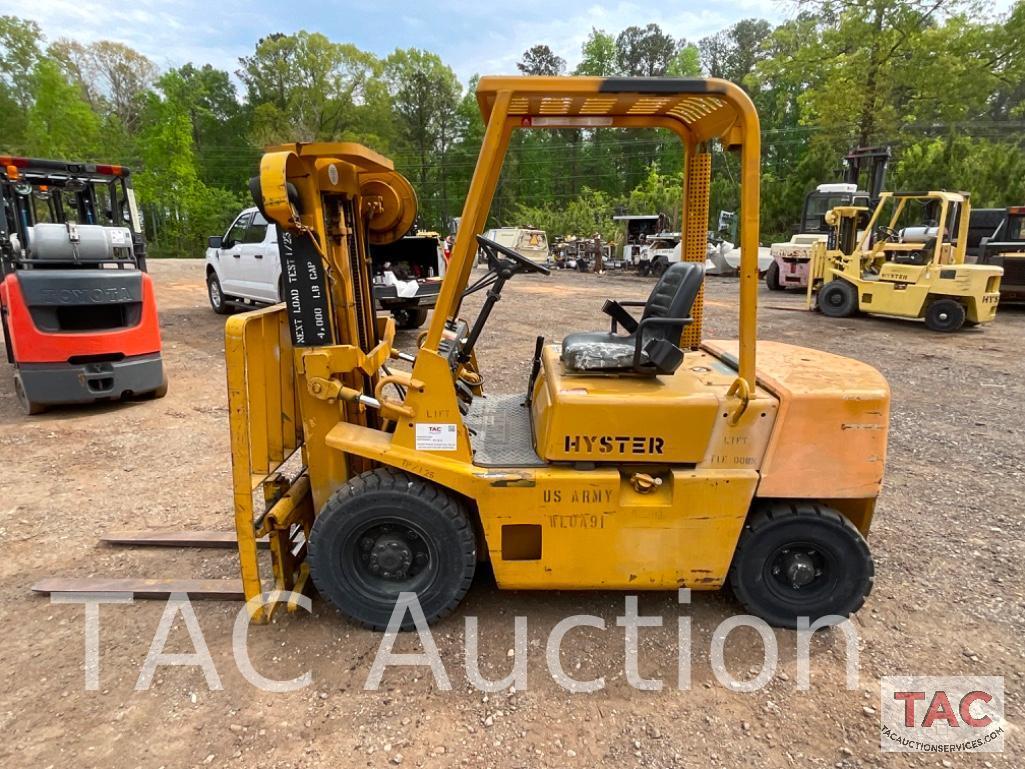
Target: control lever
{"x":535,"y":369}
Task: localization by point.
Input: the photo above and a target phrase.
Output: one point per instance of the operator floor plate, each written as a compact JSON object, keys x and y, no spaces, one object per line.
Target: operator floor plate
{"x":501,"y":435}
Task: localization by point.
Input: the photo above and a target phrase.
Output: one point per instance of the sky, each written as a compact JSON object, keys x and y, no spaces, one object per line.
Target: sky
{"x":472,"y":36}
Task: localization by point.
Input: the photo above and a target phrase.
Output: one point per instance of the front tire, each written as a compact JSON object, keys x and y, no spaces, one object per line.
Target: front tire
{"x":28,"y":407}
{"x":945,"y":315}
{"x":838,"y":299}
{"x":216,"y":295}
{"x":387,"y":532}
{"x":801,"y":560}
{"x":772,"y":278}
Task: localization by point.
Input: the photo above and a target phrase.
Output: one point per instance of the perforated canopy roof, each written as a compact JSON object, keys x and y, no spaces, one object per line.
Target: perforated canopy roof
{"x":703,"y":108}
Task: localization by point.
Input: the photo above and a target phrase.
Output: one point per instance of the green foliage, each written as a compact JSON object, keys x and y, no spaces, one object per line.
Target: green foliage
{"x":644,"y":52}
{"x":541,"y":60}
{"x":425,"y":96}
{"x":940,"y":81}
{"x":686,"y":62}
{"x":598,"y":55}
{"x":60,"y":122}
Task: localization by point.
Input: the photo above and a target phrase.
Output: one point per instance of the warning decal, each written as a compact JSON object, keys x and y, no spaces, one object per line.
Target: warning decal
{"x":436,"y":437}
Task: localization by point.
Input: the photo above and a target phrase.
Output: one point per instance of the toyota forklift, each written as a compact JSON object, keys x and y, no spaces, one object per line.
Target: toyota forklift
{"x":913,"y":266}
{"x":639,"y":456}
{"x":78,"y":309}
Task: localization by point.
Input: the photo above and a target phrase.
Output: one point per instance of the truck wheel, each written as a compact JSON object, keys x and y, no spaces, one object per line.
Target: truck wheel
{"x":216,"y":295}
{"x":659,"y":265}
{"x":838,"y":299}
{"x":387,"y":532}
{"x":410,"y":318}
{"x":28,"y":407}
{"x":801,"y":560}
{"x":945,"y":315}
{"x":772,"y":278}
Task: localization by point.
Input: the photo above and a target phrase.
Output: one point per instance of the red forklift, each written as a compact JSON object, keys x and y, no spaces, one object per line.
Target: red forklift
{"x":78,"y":309}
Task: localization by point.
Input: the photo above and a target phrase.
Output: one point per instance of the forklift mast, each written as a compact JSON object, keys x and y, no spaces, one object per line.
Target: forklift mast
{"x":872,"y":160}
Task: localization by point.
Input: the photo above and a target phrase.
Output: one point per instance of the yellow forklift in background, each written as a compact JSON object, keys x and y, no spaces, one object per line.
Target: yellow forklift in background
{"x":637,"y":457}
{"x":911,"y":267}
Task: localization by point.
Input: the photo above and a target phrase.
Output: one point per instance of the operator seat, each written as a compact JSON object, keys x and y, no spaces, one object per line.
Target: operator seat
{"x":649,"y":346}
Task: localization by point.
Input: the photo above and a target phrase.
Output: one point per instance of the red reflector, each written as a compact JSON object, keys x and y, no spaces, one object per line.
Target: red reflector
{"x":7,"y":160}
{"x":109,"y":169}
{"x":1016,"y":210}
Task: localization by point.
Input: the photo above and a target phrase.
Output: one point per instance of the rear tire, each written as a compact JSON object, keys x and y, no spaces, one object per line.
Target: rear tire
{"x":772,"y":278}
{"x":216,"y":295}
{"x":28,"y":407}
{"x":409,"y":319}
{"x":946,"y":315}
{"x":801,"y":560}
{"x":838,"y":299}
{"x":387,"y":532}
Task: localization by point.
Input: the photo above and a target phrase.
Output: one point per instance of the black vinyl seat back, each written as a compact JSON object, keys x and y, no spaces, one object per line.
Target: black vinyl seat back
{"x":672,"y":297}
{"x":650,"y":346}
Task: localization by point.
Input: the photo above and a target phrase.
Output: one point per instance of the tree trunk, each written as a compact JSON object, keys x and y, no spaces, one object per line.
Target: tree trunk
{"x":866,"y":123}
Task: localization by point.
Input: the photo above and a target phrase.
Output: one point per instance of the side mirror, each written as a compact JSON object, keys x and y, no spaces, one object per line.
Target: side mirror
{"x":215,"y":241}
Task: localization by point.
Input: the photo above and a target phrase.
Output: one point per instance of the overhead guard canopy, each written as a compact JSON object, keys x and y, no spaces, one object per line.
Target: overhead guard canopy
{"x":697,"y":110}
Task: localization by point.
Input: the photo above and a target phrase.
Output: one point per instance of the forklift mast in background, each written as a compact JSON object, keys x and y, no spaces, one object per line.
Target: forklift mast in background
{"x":874,"y":161}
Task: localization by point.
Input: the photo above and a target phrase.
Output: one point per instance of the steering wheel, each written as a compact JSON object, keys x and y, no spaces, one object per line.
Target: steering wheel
{"x":522,"y":264}
{"x":887,"y":233}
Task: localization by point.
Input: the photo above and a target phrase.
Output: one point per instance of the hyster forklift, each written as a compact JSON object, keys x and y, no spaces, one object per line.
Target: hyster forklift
{"x":639,"y":457}
{"x":911,"y":267}
{"x":78,"y":310}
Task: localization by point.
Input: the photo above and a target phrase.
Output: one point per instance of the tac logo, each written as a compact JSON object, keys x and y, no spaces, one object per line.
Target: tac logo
{"x":942,"y":714}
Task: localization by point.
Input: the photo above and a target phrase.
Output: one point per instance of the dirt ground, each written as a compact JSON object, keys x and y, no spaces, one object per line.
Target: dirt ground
{"x":949,"y":596}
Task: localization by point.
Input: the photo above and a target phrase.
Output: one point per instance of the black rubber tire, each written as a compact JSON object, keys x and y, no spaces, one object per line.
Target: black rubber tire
{"x":213,"y":290}
{"x":160,"y":391}
{"x":410,"y":318}
{"x":772,"y":278}
{"x":846,"y":564}
{"x":838,"y":299}
{"x":659,"y":265}
{"x":946,"y":315}
{"x":28,"y":408}
{"x":389,"y":497}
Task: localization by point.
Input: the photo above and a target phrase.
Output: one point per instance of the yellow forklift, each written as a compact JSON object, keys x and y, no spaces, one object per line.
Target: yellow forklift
{"x":637,"y":457}
{"x":911,"y":267}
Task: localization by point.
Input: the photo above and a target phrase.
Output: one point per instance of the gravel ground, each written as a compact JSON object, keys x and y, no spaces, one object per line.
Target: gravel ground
{"x":948,"y":598}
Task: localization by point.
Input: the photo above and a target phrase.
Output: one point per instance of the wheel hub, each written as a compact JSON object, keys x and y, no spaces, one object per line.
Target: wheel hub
{"x":800,"y":570}
{"x":390,"y":557}
{"x":797,"y":569}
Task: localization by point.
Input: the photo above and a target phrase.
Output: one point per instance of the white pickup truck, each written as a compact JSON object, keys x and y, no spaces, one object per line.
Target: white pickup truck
{"x":243,"y":270}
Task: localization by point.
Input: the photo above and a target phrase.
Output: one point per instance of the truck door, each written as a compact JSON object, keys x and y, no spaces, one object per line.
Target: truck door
{"x":260,"y":260}
{"x":232,"y":273}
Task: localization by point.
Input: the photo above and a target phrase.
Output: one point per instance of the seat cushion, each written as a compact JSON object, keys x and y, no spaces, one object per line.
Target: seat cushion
{"x":597,"y":350}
